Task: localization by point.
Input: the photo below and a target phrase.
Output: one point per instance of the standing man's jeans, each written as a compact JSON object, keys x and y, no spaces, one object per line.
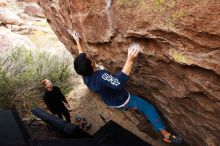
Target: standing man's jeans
{"x":148,"y":110}
{"x":63,"y":111}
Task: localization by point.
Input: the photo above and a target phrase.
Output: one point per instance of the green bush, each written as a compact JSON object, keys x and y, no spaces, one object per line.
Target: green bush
{"x":21,"y":74}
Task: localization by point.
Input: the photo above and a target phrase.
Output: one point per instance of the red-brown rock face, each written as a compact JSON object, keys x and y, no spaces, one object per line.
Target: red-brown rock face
{"x":179,"y":69}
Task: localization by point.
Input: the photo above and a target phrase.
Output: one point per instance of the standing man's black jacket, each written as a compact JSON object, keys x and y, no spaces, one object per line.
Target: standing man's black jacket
{"x":54,"y":100}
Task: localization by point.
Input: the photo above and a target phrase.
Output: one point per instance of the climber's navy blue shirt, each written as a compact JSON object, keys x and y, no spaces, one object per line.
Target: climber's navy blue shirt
{"x":110,"y":87}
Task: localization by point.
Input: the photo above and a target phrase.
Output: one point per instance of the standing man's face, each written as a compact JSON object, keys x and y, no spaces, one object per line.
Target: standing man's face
{"x":49,"y":85}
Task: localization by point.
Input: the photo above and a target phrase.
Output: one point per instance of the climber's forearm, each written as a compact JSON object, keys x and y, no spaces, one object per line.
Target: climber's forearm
{"x":133,"y":51}
{"x":80,"y":48}
{"x":127,"y":67}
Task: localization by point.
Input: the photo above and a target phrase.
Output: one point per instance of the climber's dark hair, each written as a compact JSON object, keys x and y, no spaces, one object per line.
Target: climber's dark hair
{"x":83,"y":65}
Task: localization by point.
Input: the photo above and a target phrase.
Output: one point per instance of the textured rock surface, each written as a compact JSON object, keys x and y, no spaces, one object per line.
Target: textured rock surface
{"x":8,"y":17}
{"x":34,"y":10}
{"x":10,"y":41}
{"x":179,"y":69}
{"x":3,"y":3}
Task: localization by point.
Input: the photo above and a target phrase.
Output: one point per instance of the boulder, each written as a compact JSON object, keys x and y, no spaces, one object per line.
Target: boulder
{"x":27,"y":1}
{"x":10,"y":41}
{"x":3,"y":3}
{"x":34,"y":10}
{"x":8,"y":17}
{"x":179,"y":67}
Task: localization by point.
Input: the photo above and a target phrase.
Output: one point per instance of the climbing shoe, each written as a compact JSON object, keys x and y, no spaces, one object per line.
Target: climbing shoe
{"x":173,"y":139}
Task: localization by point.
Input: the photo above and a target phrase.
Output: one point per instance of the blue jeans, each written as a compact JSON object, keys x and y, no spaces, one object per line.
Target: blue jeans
{"x":148,"y":110}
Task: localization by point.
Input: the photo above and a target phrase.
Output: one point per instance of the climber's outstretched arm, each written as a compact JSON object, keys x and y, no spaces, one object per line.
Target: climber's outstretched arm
{"x":76,"y":37}
{"x":132,"y":54}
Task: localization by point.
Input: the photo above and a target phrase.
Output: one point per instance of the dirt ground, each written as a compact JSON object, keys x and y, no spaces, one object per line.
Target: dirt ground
{"x":89,"y":105}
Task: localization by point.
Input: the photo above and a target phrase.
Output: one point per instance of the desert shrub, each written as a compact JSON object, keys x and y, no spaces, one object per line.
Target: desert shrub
{"x":22,"y":71}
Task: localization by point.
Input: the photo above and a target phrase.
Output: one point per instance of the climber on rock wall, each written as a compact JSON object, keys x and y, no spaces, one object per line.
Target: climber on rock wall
{"x":111,"y":87}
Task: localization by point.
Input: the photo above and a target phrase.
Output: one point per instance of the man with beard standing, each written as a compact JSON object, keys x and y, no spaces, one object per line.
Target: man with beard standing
{"x":54,"y":99}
